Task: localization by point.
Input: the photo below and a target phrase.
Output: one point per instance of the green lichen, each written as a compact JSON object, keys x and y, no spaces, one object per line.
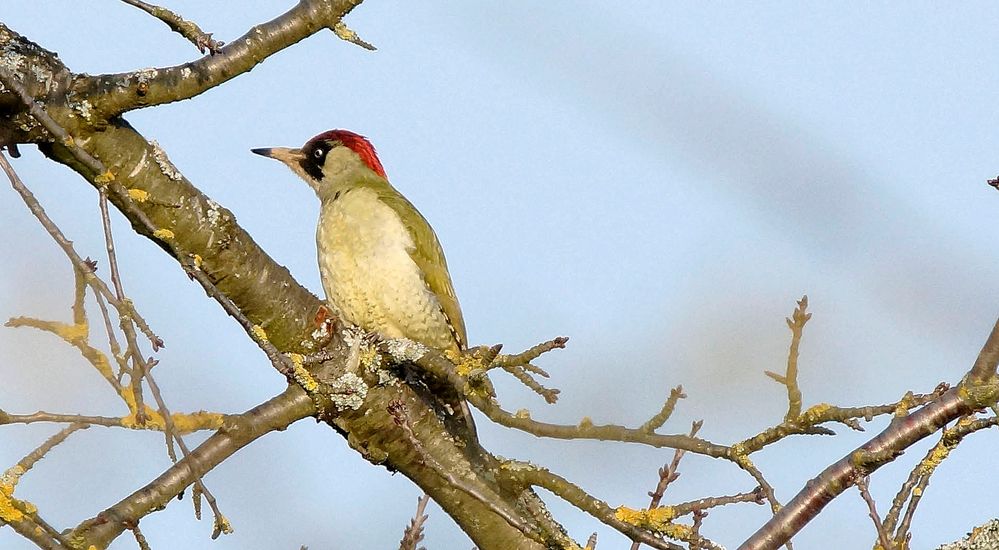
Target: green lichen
{"x":403,"y":350}
{"x":348,"y":392}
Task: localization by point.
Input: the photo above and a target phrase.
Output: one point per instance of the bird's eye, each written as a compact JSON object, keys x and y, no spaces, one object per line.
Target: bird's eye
{"x":318,"y":153}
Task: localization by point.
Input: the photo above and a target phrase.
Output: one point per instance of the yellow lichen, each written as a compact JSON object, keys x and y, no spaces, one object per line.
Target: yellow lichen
{"x":917,"y":491}
{"x":138,"y":195}
{"x":71,"y":333}
{"x":522,"y":413}
{"x":128,"y":398}
{"x":154,"y":420}
{"x":222,"y":525}
{"x":302,"y":376}
{"x":463,"y":364}
{"x":163,"y":234}
{"x":738,"y":450}
{"x":305,"y":379}
{"x":656,"y":519}
{"x":740,"y":457}
{"x":183,"y":423}
{"x":585,"y":423}
{"x":904,"y":404}
{"x":259,"y":332}
{"x":9,"y":510}
{"x":815,"y":412}
{"x":100,"y":362}
{"x":197,"y":261}
{"x":68,"y":142}
{"x":192,"y":422}
{"x":106,"y":177}
{"x":937,"y":455}
{"x":677,"y":531}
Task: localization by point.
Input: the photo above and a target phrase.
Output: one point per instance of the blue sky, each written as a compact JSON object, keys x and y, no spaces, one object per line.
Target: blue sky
{"x":659,"y":182}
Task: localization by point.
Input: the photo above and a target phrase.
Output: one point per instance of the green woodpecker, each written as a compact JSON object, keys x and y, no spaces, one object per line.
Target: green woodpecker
{"x":380,"y":262}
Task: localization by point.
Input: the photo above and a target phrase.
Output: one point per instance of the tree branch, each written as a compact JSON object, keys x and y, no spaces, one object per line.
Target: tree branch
{"x":903,"y":431}
{"x":240,"y":430}
{"x":188,"y":29}
{"x":113,"y":94}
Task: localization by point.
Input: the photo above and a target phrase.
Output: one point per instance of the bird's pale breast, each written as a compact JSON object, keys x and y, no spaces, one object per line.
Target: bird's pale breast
{"x":368,"y":274}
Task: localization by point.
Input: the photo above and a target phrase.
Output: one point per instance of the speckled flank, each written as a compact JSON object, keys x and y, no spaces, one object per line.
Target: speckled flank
{"x":368,"y":274}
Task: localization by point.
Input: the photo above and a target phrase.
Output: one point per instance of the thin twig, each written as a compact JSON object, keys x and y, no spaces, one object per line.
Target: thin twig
{"x":764,"y":485}
{"x":668,"y":473}
{"x":109,"y":331}
{"x":755,"y":496}
{"x":823,"y":413}
{"x":221,"y":523}
{"x":969,"y":396}
{"x":67,"y":332}
{"x":573,"y":494}
{"x":695,"y":528}
{"x":790,"y":378}
{"x":140,"y":539}
{"x":437,"y":365}
{"x":518,"y":365}
{"x":25,"y":518}
{"x":188,"y":29}
{"x":124,"y":318}
{"x":861,"y":483}
{"x":414,"y":531}
{"x":550,"y":395}
{"x":532,"y":353}
{"x":139,"y":365}
{"x":918,"y":481}
{"x":196,"y":421}
{"x":34,"y":456}
{"x":84,"y":265}
{"x":344,"y":33}
{"x":663,"y":415}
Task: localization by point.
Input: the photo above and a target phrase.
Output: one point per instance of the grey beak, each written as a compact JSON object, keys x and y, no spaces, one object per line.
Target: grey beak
{"x":284,"y":154}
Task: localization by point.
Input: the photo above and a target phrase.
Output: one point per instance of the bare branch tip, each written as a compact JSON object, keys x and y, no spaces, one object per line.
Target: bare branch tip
{"x":779,"y":378}
{"x":345,"y":33}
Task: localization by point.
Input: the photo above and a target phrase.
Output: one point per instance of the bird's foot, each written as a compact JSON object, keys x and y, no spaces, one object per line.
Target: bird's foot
{"x":354,"y":354}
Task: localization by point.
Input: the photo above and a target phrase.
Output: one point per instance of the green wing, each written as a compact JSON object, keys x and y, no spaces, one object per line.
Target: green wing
{"x":429,"y":257}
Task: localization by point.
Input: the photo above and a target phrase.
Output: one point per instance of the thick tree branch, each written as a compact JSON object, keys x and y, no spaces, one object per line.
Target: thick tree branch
{"x":984,"y":369}
{"x":113,"y":94}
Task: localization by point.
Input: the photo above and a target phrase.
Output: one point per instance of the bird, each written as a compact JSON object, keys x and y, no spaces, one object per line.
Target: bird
{"x":381,"y":264}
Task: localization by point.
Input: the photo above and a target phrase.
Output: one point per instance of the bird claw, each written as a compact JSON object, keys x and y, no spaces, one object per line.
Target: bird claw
{"x":354,"y":355}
